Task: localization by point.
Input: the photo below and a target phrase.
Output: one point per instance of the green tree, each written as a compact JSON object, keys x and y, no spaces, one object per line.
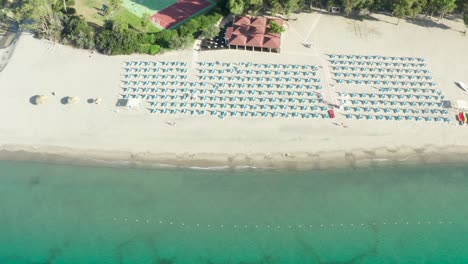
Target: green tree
{"x":254,"y":6}
{"x":122,"y":42}
{"x":149,"y":49}
{"x":350,"y":5}
{"x":210,"y":32}
{"x":255,"y":3}
{"x":275,"y":28}
{"x":416,"y":7}
{"x":181,"y":42}
{"x":190,"y":28}
{"x":276,"y":7}
{"x":165,"y":37}
{"x":330,"y":4}
{"x":401,"y":8}
{"x":79,"y":33}
{"x":39,"y":16}
{"x":440,"y":6}
{"x":236,"y":7}
{"x":410,"y":8}
{"x":293,"y":5}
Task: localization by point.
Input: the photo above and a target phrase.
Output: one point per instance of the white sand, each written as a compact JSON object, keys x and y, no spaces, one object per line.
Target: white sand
{"x":105,"y":132}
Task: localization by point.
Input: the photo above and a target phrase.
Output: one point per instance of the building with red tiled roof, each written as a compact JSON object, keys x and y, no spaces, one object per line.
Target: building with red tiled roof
{"x":253,"y":33}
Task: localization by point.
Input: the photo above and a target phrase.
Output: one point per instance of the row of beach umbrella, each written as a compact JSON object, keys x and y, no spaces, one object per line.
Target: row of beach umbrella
{"x":70,"y":100}
{"x":375,"y":57}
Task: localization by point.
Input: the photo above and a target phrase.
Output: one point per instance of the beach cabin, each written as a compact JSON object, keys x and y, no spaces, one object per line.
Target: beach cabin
{"x":131,"y":103}
{"x":252,"y":33}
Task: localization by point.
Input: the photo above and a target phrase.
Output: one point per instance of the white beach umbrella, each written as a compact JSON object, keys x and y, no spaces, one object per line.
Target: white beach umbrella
{"x":73,"y":100}
{"x":40,"y":99}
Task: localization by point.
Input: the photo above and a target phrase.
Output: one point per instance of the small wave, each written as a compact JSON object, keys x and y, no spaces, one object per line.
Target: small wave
{"x":381,"y":159}
{"x":207,"y":168}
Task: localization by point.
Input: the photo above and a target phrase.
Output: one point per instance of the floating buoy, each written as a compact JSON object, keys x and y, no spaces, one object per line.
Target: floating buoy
{"x":290,"y":226}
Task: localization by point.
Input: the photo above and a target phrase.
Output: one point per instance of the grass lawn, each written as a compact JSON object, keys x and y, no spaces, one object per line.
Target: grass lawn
{"x":89,"y":9}
{"x":134,"y":21}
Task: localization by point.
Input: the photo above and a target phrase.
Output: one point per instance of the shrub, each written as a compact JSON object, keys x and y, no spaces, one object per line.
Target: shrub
{"x":189,"y":28}
{"x":275,"y":28}
{"x":149,"y":49}
{"x":78,"y":32}
{"x":165,"y":37}
{"x":121,"y":42}
{"x":210,"y":32}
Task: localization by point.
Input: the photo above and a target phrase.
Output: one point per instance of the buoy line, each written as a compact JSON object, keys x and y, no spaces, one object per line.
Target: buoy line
{"x":282,"y":226}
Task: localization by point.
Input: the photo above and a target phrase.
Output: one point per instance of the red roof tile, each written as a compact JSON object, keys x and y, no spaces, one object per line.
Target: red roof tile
{"x":253,"y":32}
{"x":272,"y":43}
{"x":242,"y":20}
{"x":239,"y":40}
{"x":259,"y":21}
{"x":255,"y":41}
{"x":228,"y":32}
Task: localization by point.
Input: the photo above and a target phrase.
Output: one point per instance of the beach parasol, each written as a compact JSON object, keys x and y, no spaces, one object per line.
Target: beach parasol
{"x":40,"y":99}
{"x":461,"y":117}
{"x":73,"y":100}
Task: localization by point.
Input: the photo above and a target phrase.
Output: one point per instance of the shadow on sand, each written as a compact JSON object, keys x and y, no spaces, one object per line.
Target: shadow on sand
{"x":427,"y":23}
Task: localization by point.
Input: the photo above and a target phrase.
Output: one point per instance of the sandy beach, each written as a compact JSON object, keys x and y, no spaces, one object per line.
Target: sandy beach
{"x":104,"y":133}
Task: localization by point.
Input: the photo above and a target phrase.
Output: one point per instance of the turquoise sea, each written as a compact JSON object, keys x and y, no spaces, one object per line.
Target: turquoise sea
{"x":72,"y":214}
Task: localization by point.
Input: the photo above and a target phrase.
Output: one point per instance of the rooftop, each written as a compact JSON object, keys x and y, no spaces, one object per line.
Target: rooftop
{"x":253,"y":32}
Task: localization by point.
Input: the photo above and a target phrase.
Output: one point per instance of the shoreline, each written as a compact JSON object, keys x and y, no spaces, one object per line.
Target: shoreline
{"x":321,"y":160}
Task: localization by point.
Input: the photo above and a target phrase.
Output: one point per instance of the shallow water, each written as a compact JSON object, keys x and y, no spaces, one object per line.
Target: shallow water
{"x":70,"y":214}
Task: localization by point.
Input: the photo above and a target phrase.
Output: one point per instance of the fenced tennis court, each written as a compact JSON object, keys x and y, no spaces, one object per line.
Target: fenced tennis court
{"x":179,"y":12}
{"x":140,"y":7}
